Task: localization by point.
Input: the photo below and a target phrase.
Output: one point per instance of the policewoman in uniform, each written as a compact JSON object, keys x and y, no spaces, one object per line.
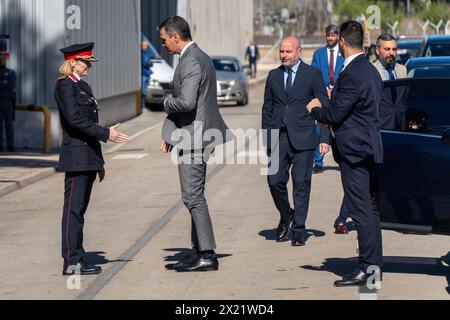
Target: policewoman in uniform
{"x":81,"y":155}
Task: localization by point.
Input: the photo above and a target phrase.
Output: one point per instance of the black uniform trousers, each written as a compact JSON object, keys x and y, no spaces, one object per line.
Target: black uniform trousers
{"x":78,"y":188}
{"x":359,"y":183}
{"x":7,"y":117}
{"x":344,"y":213}
{"x":301,"y":165}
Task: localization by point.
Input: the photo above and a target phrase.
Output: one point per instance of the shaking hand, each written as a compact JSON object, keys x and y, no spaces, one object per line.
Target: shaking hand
{"x":116,"y":136}
{"x":315,"y":103}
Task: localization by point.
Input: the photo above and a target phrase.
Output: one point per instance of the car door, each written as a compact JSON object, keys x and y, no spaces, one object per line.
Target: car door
{"x":414,"y":180}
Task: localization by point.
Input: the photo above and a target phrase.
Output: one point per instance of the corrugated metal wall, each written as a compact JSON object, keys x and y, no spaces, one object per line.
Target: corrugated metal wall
{"x":114,"y":25}
{"x":36,"y":28}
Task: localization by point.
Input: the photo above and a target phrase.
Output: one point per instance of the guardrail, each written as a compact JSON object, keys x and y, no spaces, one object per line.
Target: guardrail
{"x":47,"y":121}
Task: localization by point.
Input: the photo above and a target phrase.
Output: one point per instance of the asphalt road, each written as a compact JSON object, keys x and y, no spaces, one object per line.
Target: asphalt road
{"x":136,"y":224}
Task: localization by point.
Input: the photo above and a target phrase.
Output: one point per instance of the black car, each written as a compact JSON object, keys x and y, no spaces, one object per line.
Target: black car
{"x":407,"y":50}
{"x":435,"y":46}
{"x":414,"y":181}
{"x":429,"y":67}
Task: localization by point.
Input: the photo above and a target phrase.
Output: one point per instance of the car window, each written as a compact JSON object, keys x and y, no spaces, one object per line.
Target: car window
{"x":437,"y":50}
{"x":226,"y":65}
{"x":429,"y":72}
{"x":420,"y":107}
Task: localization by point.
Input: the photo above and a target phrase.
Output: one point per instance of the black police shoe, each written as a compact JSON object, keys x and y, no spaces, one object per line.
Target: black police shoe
{"x":82,"y":269}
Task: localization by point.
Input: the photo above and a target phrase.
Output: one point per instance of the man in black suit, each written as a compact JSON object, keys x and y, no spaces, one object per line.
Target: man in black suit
{"x":355,"y":116}
{"x":288,"y":89}
{"x":81,"y":153}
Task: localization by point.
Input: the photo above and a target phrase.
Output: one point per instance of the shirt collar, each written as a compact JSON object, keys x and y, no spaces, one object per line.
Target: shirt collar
{"x":384,"y":68}
{"x":77,"y":76}
{"x":185,"y":48}
{"x":336,"y":47}
{"x":295,"y":67}
{"x":351,"y":58}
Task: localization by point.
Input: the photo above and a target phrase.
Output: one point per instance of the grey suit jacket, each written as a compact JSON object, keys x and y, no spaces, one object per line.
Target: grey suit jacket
{"x":194,"y":121}
{"x":400,"y":70}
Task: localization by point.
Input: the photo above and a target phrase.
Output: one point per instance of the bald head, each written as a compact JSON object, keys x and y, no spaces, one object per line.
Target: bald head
{"x":290,"y":51}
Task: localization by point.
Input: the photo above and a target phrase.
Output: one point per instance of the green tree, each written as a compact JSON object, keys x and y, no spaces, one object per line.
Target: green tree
{"x":436,"y":11}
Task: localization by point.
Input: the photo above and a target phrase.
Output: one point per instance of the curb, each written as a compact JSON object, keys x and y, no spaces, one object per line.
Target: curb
{"x":30,"y":179}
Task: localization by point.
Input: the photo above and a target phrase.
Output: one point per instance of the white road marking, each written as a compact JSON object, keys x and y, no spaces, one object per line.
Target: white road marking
{"x":134,"y":156}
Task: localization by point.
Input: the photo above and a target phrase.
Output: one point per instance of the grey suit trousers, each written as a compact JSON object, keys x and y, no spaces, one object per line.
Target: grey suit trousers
{"x":192,"y":171}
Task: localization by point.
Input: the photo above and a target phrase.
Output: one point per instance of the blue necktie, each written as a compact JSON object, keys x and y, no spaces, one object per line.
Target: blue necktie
{"x":289,"y":80}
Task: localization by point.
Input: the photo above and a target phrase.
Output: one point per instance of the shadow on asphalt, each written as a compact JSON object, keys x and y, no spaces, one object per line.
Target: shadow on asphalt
{"x":98,"y":258}
{"x":271,"y":235}
{"x":180,"y":253}
{"x":438,"y":267}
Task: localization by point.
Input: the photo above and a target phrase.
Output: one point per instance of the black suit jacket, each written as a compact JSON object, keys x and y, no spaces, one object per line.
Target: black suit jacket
{"x":80,"y":149}
{"x":355,"y":112}
{"x":290,"y":108}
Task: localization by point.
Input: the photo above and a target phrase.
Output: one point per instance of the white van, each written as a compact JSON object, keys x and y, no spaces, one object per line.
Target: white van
{"x":161,"y":79}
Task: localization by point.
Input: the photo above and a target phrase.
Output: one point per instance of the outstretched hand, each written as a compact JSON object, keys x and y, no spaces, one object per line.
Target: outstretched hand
{"x":116,"y":136}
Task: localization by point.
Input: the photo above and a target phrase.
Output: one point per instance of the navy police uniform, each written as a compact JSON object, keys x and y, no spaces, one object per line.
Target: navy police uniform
{"x":7,"y":106}
{"x":81,"y":155}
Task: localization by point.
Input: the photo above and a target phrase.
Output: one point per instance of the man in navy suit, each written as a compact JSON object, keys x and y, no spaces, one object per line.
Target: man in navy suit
{"x":330,"y":61}
{"x":354,"y":115}
{"x":288,"y":89}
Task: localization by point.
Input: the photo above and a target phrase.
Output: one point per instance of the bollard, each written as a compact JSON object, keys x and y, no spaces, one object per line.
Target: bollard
{"x":47,"y":121}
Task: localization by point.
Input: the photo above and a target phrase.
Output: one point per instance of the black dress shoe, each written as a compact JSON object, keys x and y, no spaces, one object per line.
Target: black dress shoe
{"x":284,"y":227}
{"x":357,"y":278}
{"x":202,"y":262}
{"x":317,"y":170}
{"x":186,"y":261}
{"x":82,"y":269}
{"x":298,"y":239}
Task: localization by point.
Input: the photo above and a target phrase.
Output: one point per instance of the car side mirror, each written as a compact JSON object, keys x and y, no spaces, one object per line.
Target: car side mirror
{"x":446,"y":137}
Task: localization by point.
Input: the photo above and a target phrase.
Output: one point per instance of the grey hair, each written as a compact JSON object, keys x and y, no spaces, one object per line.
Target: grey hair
{"x":385,"y":37}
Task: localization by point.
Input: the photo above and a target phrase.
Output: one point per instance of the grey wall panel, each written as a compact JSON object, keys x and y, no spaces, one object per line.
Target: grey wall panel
{"x":114,"y":25}
{"x":220,"y":27}
{"x":152,"y":14}
{"x":36,"y":28}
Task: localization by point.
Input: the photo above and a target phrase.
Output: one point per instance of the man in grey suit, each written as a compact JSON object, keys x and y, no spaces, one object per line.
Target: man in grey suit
{"x":195,"y":125}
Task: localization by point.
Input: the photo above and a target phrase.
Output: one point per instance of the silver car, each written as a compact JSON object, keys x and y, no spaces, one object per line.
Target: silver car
{"x":232,"y":82}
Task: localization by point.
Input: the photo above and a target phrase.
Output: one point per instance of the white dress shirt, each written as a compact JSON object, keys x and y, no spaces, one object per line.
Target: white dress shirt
{"x":350,"y":59}
{"x":336,"y":53}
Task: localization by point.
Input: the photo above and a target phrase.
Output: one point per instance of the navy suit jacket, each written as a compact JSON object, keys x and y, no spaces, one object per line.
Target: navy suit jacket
{"x":321,"y":62}
{"x":355,"y":112}
{"x":290,"y":108}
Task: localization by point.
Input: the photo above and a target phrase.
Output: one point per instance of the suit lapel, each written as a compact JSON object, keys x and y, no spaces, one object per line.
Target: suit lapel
{"x":84,"y":86}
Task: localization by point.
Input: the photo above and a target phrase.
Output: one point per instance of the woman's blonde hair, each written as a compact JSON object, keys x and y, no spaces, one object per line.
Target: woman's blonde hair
{"x":66,"y":69}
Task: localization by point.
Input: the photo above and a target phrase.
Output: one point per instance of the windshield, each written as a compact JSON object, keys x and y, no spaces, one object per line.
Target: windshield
{"x":437,"y":50}
{"x":227,"y":65}
{"x":426,"y":105}
{"x":441,"y":71}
